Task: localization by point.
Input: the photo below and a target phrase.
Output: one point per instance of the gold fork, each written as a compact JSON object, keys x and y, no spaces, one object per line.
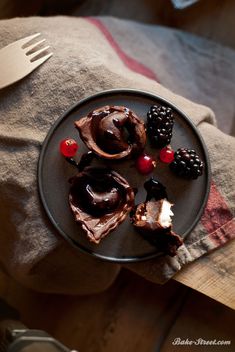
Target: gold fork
{"x":18,"y":59}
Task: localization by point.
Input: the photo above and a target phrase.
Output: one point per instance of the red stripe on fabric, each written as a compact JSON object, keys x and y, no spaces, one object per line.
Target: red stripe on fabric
{"x":216,"y":214}
{"x":131,"y":63}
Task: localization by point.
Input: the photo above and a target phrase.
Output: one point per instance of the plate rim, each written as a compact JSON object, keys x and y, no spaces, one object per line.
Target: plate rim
{"x":83,"y":101}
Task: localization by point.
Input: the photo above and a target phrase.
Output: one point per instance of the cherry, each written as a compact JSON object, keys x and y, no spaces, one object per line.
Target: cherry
{"x":145,"y":164}
{"x":167,"y":155}
{"x":68,"y":147}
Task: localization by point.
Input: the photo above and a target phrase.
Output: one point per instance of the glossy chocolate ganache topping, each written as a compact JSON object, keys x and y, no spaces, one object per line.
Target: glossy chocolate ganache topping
{"x":100,"y":200}
{"x":112,"y":132}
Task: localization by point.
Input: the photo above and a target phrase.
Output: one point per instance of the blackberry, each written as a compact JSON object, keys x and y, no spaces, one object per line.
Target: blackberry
{"x":187,"y":163}
{"x":160,"y":123}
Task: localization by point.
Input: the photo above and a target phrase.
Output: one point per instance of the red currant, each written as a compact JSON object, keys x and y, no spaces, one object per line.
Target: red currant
{"x":145,"y":164}
{"x":166,"y":155}
{"x":68,"y":147}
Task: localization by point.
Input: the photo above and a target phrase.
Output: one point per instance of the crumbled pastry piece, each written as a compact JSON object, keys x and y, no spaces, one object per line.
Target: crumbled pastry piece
{"x":153,"y":216}
{"x":112,"y":132}
{"x":152,"y":219}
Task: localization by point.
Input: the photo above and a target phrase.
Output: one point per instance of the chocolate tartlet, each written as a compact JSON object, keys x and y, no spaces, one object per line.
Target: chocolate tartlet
{"x":152,"y":219}
{"x":112,"y":132}
{"x":100,"y":200}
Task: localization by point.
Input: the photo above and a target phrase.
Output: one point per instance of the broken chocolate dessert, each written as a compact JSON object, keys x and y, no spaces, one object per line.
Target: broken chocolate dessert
{"x":100,"y":200}
{"x":153,"y":219}
{"x":112,"y":132}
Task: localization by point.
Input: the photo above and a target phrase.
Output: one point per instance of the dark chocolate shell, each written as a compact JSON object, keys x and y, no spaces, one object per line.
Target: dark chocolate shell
{"x":112,"y":132}
{"x":100,"y":200}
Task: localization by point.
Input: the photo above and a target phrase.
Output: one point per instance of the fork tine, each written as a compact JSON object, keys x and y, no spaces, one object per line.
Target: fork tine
{"x":40,"y":61}
{"x":33,"y":46}
{"x":36,"y":53}
{"x":26,"y":40}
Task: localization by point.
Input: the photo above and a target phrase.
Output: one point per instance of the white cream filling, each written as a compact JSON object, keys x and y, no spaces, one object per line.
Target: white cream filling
{"x":165,"y":214}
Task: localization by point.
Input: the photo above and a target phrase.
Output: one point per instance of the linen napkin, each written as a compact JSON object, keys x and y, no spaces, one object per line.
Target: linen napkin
{"x":91,"y":55}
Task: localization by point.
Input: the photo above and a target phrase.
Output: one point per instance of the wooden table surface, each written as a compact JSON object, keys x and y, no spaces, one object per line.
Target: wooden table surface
{"x":213,"y":275}
{"x":132,"y":315}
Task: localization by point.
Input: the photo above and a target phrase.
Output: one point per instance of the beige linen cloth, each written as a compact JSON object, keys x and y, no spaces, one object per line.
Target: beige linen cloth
{"x":91,"y":55}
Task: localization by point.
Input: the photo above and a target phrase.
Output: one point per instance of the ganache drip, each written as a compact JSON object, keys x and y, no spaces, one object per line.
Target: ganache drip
{"x":155,"y":189}
{"x":100,"y":200}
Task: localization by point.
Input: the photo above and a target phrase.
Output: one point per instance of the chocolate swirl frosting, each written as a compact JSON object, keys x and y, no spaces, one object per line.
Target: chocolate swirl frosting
{"x":112,"y":132}
{"x":100,"y":200}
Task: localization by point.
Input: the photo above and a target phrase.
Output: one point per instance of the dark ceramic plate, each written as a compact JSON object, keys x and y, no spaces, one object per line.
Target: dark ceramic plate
{"x":124,"y":244}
